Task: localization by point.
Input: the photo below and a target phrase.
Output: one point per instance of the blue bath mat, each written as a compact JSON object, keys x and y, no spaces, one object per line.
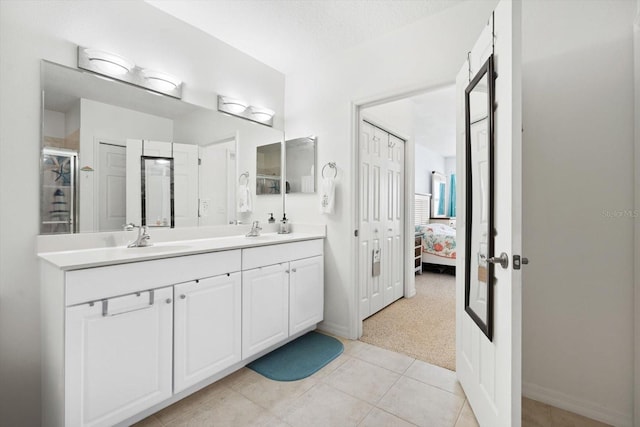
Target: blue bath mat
{"x":299,"y":358}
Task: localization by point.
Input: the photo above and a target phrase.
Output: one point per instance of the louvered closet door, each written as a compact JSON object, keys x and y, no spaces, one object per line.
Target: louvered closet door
{"x":381,"y":213}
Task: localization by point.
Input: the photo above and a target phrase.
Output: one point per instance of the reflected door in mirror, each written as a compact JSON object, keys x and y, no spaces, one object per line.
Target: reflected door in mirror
{"x":157,"y":191}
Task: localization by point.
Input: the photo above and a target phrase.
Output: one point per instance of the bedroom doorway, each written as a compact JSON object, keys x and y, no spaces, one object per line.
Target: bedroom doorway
{"x":422,"y":324}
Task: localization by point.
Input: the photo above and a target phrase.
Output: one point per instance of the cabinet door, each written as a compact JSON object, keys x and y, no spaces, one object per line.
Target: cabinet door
{"x":306,"y":293}
{"x":265,"y":308}
{"x":118,"y":357}
{"x":207,"y":328}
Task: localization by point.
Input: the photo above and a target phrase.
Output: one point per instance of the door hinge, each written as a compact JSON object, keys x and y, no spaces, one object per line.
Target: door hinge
{"x":199,"y":162}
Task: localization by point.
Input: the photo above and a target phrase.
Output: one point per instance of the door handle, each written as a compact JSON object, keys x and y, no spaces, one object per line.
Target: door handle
{"x":503,"y":260}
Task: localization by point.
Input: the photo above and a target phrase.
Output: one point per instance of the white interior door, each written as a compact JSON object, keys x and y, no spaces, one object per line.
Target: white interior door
{"x":393,"y":220}
{"x":490,"y":371}
{"x":381,"y":218}
{"x":111,"y":195}
{"x":371,"y":221}
{"x":185,"y":184}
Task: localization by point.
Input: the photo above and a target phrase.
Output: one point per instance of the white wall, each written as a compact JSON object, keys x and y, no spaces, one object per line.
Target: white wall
{"x":33,"y":30}
{"x":99,"y":121}
{"x":577,"y":173}
{"x":426,"y":161}
{"x":425,"y":54}
{"x":53,"y":124}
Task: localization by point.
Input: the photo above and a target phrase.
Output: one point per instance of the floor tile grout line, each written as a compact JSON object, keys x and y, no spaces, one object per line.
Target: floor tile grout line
{"x":459,"y":413}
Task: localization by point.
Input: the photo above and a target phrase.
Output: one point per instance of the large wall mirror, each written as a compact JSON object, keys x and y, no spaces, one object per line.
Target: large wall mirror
{"x":479,"y":281}
{"x":94,"y":132}
{"x":300,"y":165}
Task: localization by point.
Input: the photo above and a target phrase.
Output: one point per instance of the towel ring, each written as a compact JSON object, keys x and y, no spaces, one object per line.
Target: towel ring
{"x":246,"y":176}
{"x":332,"y":165}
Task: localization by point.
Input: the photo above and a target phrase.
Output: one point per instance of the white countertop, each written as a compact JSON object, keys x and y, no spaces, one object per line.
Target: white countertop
{"x":88,"y":258}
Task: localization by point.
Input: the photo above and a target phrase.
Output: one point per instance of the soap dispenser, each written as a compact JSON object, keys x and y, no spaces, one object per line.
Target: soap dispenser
{"x":272,"y":220}
{"x":284,"y":225}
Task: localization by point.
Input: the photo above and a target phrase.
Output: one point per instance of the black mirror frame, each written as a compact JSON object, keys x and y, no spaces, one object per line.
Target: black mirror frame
{"x":143,"y":189}
{"x":488,"y":70}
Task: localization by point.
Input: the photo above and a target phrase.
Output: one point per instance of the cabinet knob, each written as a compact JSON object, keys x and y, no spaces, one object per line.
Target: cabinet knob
{"x":293,"y":269}
{"x":286,"y":271}
{"x":168,"y":300}
{"x":183,"y":296}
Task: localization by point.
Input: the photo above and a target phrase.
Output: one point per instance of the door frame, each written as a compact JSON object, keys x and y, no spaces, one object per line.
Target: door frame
{"x":355,"y":324}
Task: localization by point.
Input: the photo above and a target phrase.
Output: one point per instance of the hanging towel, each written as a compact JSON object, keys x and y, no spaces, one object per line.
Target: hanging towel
{"x":327,"y":196}
{"x":244,"y":198}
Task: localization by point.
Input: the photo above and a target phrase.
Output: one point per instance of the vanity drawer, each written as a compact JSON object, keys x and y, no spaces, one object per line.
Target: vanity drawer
{"x":275,"y":254}
{"x":93,"y":284}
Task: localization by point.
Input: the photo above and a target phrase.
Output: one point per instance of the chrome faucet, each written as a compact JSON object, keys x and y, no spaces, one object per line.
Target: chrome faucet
{"x":255,"y":229}
{"x":143,"y":238}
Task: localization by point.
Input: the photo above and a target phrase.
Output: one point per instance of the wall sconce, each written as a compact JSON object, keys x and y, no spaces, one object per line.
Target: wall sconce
{"x":119,"y":68}
{"x":239,"y":108}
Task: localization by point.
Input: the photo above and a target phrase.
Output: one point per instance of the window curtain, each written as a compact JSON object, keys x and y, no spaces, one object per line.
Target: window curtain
{"x":452,"y":196}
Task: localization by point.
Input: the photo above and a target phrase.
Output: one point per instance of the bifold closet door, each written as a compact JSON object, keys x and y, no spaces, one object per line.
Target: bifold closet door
{"x":381,"y":224}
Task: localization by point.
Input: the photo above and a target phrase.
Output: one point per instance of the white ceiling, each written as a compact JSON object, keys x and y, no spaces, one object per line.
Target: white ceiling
{"x":429,"y":118}
{"x":289,"y":34}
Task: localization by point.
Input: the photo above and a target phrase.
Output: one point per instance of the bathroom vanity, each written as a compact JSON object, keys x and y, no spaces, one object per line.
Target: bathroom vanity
{"x":128,"y":331}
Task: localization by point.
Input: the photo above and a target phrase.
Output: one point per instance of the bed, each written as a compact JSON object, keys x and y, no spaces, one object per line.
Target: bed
{"x":438,"y":238}
{"x":438,"y":244}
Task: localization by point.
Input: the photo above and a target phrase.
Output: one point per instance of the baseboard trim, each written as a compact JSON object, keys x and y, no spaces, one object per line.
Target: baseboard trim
{"x":334,"y":329}
{"x":581,"y":407}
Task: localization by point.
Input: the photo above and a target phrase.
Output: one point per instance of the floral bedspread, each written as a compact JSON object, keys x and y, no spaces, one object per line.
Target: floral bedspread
{"x":438,"y":239}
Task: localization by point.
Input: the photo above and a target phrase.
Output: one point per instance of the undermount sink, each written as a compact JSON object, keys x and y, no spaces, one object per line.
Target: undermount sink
{"x":157,"y":248}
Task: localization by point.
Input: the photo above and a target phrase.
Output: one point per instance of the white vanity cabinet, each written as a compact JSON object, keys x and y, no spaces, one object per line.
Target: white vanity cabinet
{"x":207,"y":328}
{"x":282,"y":293}
{"x":123,"y":338}
{"x":306,"y":293}
{"x":265,"y":308}
{"x":118,"y":357}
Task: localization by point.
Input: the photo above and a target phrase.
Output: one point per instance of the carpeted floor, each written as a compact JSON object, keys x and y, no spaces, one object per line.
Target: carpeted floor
{"x":423,"y":327}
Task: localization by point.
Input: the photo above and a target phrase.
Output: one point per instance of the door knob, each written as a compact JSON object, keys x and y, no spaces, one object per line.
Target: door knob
{"x":503,"y":260}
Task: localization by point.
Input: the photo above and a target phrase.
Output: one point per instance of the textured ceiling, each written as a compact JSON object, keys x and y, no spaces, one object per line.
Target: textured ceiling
{"x":290,"y":34}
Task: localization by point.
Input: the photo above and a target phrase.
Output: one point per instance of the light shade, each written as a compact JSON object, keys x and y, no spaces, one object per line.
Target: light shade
{"x":233,"y":105}
{"x":160,"y":80}
{"x":108,"y":62}
{"x":261,"y":114}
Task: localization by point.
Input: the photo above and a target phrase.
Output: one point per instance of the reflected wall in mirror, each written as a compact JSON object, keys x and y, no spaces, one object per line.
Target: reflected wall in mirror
{"x":300,"y":165}
{"x":438,"y":195}
{"x":268,"y":168}
{"x":96,"y":117}
{"x":479,"y":100}
{"x":157,"y":191}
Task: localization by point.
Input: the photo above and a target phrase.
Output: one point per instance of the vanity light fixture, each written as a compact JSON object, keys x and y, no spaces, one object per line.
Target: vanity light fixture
{"x":108,"y":62}
{"x":119,"y":68}
{"x":160,"y":80}
{"x":261,"y":114}
{"x":241,"y":109}
{"x":231,"y":105}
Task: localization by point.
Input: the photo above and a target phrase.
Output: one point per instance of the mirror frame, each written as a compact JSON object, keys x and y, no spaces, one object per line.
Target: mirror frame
{"x":487,"y":70}
{"x":143,"y":189}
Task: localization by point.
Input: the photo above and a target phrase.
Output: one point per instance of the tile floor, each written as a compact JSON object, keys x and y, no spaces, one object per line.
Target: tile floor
{"x":365,"y":386}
